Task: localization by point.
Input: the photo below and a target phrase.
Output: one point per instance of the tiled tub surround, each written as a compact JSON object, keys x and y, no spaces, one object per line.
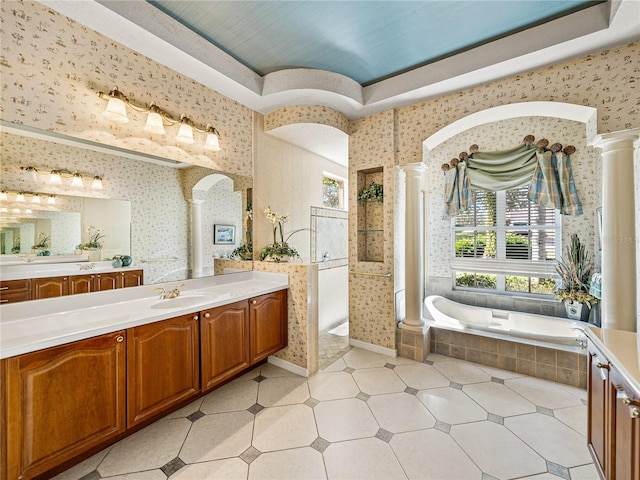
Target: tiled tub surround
{"x":557,"y":365}
{"x":367,"y":416}
{"x":29,"y":326}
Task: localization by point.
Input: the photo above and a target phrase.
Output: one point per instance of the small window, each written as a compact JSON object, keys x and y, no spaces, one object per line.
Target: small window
{"x":332,"y":192}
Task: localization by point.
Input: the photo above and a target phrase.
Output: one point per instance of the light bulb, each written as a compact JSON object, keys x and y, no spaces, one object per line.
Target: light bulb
{"x":30,"y":175}
{"x":4,"y":210}
{"x":154,"y":122}
{"x":51,"y":200}
{"x":3,"y":196}
{"x":76,"y":180}
{"x":28,"y":210}
{"x":97,"y":183}
{"x":55,"y":178}
{"x":20,"y":197}
{"x":212,"y":142}
{"x":36,"y":198}
{"x":185,"y":134}
{"x":16,"y":210}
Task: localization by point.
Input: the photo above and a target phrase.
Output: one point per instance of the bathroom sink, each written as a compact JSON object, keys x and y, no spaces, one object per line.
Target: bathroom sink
{"x":182,"y":302}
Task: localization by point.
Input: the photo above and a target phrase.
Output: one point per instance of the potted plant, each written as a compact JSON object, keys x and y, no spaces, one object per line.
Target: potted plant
{"x":575,"y":272}
{"x":43,"y":243}
{"x":94,"y":244}
{"x":279,"y":250}
{"x":373,"y":193}
{"x":244,"y":251}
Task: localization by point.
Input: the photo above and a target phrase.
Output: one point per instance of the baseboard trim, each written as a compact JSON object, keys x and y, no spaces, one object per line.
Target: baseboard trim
{"x":389,"y":352}
{"x":290,"y":367}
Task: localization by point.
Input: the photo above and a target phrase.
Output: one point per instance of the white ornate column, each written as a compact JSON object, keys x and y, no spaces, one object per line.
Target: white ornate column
{"x":414,"y":247}
{"x":196,"y":237}
{"x":619,"y":238}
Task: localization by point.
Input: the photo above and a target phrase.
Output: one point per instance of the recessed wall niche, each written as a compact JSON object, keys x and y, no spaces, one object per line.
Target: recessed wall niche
{"x":370,"y":215}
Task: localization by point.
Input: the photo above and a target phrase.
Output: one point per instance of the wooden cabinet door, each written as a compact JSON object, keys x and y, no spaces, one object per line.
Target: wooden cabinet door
{"x":224,"y":339}
{"x":597,"y":385}
{"x":131,"y":278}
{"x":268,"y":324}
{"x":624,"y":436}
{"x":63,"y":401}
{"x":49,"y":287}
{"x":107,"y":281}
{"x":82,"y":284}
{"x":162,"y":366}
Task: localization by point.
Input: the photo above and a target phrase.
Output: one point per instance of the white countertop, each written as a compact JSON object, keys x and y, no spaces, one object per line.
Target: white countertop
{"x":29,"y":326}
{"x":42,"y":270}
{"x":622,"y":349}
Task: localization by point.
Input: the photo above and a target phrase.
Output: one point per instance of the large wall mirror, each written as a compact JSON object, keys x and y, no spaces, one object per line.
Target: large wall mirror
{"x":147,"y":201}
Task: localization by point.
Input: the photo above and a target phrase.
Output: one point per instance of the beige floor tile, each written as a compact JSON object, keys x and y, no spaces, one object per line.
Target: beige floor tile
{"x":345,"y":419}
{"x":358,"y":358}
{"x":232,"y":397}
{"x":462,"y":372}
{"x":542,"y":476}
{"x":445,"y":460}
{"x":332,"y":385}
{"x":218,"y":436}
{"x":283,"y":391}
{"x":451,"y":406}
{"x":366,"y":459}
{"x":498,"y":372}
{"x":150,"y":448}
{"x":421,"y":376}
{"x":400,"y":412}
{"x":497,"y":451}
{"x":336,"y":366}
{"x":399,"y":360}
{"x":148,"y":475}
{"x":186,"y":410}
{"x":83,"y":468}
{"x":550,"y":438}
{"x":250,"y":375}
{"x":584,"y":472}
{"x":545,"y":393}
{"x":299,"y":463}
{"x":227,"y":469}
{"x":574,"y":417}
{"x":376,"y":381}
{"x":290,"y":426}
{"x":270,"y":370}
{"x":498,"y":399}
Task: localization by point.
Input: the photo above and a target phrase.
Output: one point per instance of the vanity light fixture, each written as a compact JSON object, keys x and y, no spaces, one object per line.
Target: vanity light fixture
{"x":76,"y":180}
{"x":4,"y":210}
{"x":51,"y":200}
{"x":3,"y":196}
{"x":36,"y":198}
{"x":157,"y":119}
{"x":16,"y":210}
{"x":20,"y":197}
{"x":56,"y":177}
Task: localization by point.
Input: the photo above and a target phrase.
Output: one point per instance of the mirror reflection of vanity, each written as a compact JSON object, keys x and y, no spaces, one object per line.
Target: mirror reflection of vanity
{"x":159,"y":195}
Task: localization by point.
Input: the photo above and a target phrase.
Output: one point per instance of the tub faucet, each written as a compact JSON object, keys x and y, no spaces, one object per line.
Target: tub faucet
{"x":171,"y":293}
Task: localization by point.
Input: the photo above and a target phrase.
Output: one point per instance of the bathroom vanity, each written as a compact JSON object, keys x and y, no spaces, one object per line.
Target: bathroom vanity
{"x":614,"y":402}
{"x":37,"y":281}
{"x":77,"y":379}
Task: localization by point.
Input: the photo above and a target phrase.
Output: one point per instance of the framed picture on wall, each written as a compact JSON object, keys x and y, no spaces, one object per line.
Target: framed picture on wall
{"x":224,"y":234}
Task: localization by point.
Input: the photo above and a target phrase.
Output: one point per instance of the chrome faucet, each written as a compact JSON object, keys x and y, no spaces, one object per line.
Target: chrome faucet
{"x":171,"y":293}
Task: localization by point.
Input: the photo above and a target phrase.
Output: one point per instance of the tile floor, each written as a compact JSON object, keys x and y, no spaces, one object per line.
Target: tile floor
{"x":366,"y":416}
{"x":333,"y":344}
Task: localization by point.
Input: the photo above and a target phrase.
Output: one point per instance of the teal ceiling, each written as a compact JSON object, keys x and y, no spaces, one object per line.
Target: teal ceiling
{"x":365,"y":40}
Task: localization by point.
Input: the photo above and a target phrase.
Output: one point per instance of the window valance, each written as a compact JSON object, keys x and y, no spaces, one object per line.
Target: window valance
{"x":547,"y":171}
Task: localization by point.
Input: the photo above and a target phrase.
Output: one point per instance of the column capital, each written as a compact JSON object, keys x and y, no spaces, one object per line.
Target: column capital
{"x":608,"y":140}
{"x":414,"y":167}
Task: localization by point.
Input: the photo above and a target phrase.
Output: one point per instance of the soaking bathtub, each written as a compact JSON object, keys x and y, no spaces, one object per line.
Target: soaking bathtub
{"x":540,"y":330}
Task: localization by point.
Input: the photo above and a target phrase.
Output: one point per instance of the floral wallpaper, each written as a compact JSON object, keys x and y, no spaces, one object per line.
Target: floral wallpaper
{"x":54,"y":67}
{"x":306,"y":114}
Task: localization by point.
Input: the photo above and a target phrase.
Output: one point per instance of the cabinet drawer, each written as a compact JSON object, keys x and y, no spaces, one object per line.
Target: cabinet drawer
{"x":14,"y":297}
{"x":14,"y":286}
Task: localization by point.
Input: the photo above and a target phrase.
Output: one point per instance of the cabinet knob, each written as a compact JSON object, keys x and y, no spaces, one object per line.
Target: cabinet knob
{"x":634,"y":412}
{"x":119,"y":339}
{"x":254,"y":302}
{"x":195,"y":317}
{"x":207,"y":315}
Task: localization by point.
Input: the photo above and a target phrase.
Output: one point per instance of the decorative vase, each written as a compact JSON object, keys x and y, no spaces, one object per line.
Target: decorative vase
{"x":577,"y":311}
{"x":278,"y":258}
{"x":93,"y":253}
